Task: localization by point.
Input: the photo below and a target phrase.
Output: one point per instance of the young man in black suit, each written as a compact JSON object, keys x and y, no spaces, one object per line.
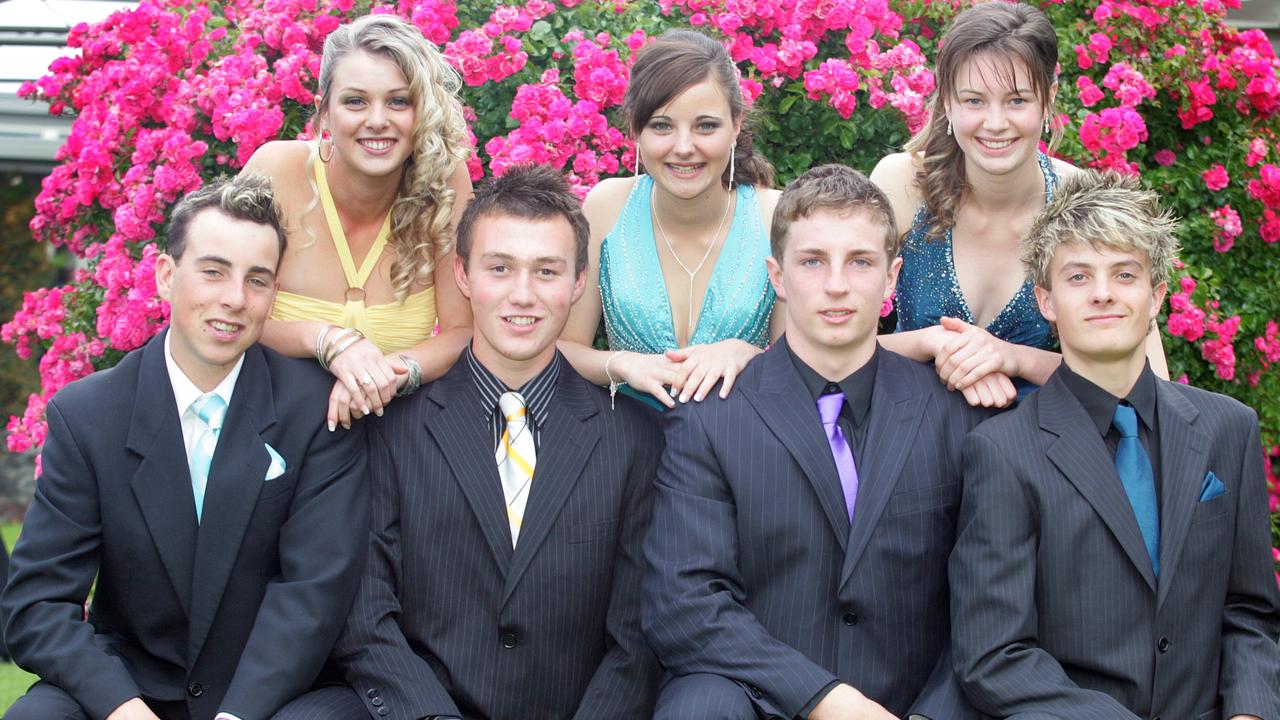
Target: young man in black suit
{"x":802,"y":525}
{"x":1114,"y":552}
{"x":509,"y":502}
{"x":197,"y":482}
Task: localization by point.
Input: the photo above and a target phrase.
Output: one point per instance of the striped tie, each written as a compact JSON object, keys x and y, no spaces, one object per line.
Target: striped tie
{"x":516,"y":460}
{"x":210,"y":408}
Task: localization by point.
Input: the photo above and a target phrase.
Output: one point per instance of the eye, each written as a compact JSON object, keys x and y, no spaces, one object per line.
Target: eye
{"x":401,"y":102}
{"x":1126,"y":275}
{"x":708,"y":126}
{"x":660,"y":126}
{"x":547,"y":272}
{"x":1018,"y":101}
{"x":810,"y":262}
{"x":1076,"y":277}
{"x":861,"y":262}
{"x":972,"y":102}
{"x":498,"y":269}
{"x":259,"y":282}
{"x":211,"y":273}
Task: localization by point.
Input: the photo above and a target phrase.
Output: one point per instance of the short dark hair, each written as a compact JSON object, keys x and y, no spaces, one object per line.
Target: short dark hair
{"x":242,"y":197}
{"x":530,"y":192}
{"x":834,"y":188}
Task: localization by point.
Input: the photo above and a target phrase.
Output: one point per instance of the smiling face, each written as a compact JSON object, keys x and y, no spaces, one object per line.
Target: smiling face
{"x":219,"y":293}
{"x":834,"y":275}
{"x":370,"y":114}
{"x":995,"y":115}
{"x":521,"y":282}
{"x":686,"y":144}
{"x":1102,"y":302}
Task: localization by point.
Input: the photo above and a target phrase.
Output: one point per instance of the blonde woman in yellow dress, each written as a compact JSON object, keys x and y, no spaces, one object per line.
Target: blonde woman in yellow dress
{"x":369,"y":210}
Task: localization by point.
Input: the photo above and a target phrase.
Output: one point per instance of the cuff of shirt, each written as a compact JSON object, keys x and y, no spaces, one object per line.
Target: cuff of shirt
{"x":813,"y":703}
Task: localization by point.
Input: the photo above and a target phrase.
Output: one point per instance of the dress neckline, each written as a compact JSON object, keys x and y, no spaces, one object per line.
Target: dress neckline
{"x":355,"y":278}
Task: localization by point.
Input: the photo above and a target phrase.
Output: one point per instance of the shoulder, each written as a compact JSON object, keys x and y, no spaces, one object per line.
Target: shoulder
{"x":895,"y":175}
{"x":767,"y":198}
{"x":604,"y":203}
{"x":279,"y":159}
{"x":296,"y":382}
{"x":106,"y":390}
{"x":1215,"y":406}
{"x":924,"y":378}
{"x":1063,"y":169}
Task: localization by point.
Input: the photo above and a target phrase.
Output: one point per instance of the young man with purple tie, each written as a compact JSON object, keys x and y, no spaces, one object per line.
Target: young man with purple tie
{"x":1113,"y":560}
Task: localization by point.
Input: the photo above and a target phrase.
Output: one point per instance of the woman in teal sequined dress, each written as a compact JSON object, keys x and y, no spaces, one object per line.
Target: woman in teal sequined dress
{"x":679,"y":252}
{"x":965,"y":192}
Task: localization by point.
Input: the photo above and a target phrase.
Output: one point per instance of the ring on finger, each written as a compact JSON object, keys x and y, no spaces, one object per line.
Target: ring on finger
{"x":366,"y":379}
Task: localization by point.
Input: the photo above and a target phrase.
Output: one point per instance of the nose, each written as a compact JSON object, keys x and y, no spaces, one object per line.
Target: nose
{"x":683,"y":142}
{"x":377,"y":117}
{"x":995,"y":118}
{"x":522,"y":289}
{"x":233,"y":295}
{"x":836,"y":283}
{"x":1101,"y":292}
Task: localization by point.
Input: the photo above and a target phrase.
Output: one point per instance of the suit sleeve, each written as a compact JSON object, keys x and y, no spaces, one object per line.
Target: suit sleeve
{"x":53,"y":566}
{"x":625,"y":683}
{"x":373,"y":653}
{"x":693,"y":612}
{"x":304,"y":607}
{"x":1250,"y":672}
{"x":994,"y":621}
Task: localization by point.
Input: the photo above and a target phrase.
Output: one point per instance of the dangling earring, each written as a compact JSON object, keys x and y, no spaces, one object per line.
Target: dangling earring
{"x":639,"y":170}
{"x":1048,"y":129}
{"x":948,"y":126}
{"x":320,"y":147}
{"x":733,"y":154}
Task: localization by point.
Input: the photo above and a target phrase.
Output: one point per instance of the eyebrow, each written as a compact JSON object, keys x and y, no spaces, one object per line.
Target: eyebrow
{"x":702,"y":116}
{"x":540,"y":260}
{"x":362,"y":91}
{"x":1079,"y":265}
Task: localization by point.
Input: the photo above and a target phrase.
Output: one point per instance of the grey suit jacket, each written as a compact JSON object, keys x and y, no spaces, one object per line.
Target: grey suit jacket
{"x":449,"y":619}
{"x":756,"y":574}
{"x":1056,"y":610}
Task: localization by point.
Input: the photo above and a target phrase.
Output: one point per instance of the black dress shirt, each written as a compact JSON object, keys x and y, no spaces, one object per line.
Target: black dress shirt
{"x":1100,"y":406}
{"x":537,"y":394}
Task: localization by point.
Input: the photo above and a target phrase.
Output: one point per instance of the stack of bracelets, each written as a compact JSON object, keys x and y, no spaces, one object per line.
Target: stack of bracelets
{"x":328,"y":348}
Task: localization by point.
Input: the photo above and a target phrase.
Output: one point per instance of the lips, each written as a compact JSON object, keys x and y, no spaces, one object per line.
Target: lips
{"x":685,"y":170}
{"x":377,"y":145}
{"x":224,"y":330}
{"x":836,"y":314}
{"x":995,"y":144}
{"x":521,"y":320}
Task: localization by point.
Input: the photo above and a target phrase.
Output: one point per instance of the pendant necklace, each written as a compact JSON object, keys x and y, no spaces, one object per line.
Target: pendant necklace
{"x":691,"y":273}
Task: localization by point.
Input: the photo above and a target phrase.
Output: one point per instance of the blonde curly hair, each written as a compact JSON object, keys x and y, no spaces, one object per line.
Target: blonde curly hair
{"x":1012,"y":32}
{"x":421,"y":231}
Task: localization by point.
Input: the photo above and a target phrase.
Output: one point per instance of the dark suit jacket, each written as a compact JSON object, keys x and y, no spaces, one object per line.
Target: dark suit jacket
{"x":235,"y":613}
{"x":756,"y":574}
{"x":1056,"y":611}
{"x":449,"y":619}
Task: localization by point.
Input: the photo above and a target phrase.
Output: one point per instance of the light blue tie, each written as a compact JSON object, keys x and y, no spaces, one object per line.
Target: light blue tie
{"x":1134,"y":467}
{"x":210,"y":408}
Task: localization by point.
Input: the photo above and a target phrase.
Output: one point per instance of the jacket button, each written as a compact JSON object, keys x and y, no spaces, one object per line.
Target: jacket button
{"x":195,"y":689}
{"x":373,"y":693}
{"x":1163,"y":644}
{"x":850,"y":619}
{"x":755,"y":692}
{"x":382,"y":711}
{"x":376,"y":702}
{"x":510,"y":640}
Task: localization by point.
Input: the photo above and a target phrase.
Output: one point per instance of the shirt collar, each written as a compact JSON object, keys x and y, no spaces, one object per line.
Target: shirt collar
{"x":1100,"y":405}
{"x":185,"y":391}
{"x":537,"y":392}
{"x":856,"y":387}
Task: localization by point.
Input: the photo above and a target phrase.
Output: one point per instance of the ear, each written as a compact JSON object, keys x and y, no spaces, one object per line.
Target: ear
{"x":894,"y":268}
{"x":460,"y":276}
{"x":579,"y":285}
{"x":1045,"y":300}
{"x":1157,"y":298}
{"x":774,"y":269}
{"x":165,"y":267}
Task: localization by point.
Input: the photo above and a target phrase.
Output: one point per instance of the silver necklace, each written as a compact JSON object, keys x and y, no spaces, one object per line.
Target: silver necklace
{"x":694,"y":272}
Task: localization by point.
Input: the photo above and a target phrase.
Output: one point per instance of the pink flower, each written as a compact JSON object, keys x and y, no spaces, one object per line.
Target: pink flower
{"x":1216,"y":178}
{"x":1165,"y":157}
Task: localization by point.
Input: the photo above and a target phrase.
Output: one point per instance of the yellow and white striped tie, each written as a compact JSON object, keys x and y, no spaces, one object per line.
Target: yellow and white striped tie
{"x":516,"y":460}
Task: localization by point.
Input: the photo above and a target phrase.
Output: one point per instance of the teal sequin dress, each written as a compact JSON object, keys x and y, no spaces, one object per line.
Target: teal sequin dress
{"x":634,"y":296}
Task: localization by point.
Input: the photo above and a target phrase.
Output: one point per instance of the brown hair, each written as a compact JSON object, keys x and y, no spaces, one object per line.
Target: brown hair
{"x":529,"y":192}
{"x":1013,"y":32}
{"x":241,"y":197}
{"x":423,"y":209}
{"x":677,"y":61}
{"x":834,"y":188}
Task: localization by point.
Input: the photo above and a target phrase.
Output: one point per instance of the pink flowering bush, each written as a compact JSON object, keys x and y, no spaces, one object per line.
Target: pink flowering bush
{"x":176,"y":91}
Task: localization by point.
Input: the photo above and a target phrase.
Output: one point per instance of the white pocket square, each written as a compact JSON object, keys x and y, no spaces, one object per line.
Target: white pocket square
{"x":277,"y":464}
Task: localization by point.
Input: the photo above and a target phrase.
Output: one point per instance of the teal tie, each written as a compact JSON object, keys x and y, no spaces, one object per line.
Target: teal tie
{"x":1134,"y":467}
{"x":210,"y":408}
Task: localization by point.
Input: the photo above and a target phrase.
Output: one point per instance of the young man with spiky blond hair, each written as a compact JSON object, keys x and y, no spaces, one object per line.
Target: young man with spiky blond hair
{"x":1113,"y":557}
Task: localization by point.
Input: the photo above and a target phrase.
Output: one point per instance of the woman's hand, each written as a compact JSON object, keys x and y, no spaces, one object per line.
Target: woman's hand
{"x":366,"y":383}
{"x":969,"y":353}
{"x":701,"y":366}
{"x":645,"y":373}
{"x":994,"y":390}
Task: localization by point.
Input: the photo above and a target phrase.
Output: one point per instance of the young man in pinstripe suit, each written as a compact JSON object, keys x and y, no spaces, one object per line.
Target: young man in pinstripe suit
{"x":1113,"y":559}
{"x":510,"y":498}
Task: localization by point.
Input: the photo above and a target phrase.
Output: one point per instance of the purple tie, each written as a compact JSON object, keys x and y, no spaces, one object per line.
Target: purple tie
{"x":829,"y":409}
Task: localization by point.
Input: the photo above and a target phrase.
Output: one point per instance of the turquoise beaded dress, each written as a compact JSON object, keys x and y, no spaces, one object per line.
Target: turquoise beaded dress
{"x":634,"y":296}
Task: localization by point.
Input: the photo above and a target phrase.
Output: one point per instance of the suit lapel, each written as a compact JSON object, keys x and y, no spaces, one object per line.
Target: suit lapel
{"x":1080,"y":454}
{"x":463,"y":434}
{"x":784,"y":404}
{"x":162,"y":482}
{"x":897,"y":407}
{"x":564,"y":446}
{"x":1182,"y":468}
{"x":236,"y":475}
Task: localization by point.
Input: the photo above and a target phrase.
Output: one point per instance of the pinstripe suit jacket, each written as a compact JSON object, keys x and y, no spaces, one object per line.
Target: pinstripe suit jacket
{"x":1056,"y":611}
{"x":755,"y":572}
{"x":449,"y":620}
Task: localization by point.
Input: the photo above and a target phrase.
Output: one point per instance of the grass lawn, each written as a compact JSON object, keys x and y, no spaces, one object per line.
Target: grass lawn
{"x":13,"y":681}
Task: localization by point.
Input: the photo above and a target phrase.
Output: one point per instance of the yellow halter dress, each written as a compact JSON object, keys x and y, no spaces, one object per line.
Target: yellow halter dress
{"x":392,"y":327}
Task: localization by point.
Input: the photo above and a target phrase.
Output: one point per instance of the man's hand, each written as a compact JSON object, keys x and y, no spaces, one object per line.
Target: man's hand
{"x":846,"y":703}
{"x":133,"y":709}
{"x":1245,"y":717}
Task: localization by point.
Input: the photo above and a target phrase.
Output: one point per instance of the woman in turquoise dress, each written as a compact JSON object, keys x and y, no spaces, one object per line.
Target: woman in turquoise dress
{"x":965,"y":192}
{"x":678,"y":251}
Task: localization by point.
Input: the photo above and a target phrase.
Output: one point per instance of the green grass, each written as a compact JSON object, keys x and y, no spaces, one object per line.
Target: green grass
{"x":13,"y":680}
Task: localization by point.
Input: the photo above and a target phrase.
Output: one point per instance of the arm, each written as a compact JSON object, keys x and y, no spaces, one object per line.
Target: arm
{"x":53,"y":566}
{"x":625,"y":683}
{"x":304,"y":607}
{"x":1250,"y":670}
{"x":693,"y":593}
{"x":994,"y":621}
{"x":372,"y":651}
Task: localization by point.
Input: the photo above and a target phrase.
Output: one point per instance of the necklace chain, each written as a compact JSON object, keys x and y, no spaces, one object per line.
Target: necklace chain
{"x":698,"y":268}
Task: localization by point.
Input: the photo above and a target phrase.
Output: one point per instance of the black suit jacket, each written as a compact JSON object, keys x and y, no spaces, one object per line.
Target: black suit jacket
{"x":449,"y":619}
{"x":756,"y":574}
{"x":235,"y":613}
{"x":1057,"y":612}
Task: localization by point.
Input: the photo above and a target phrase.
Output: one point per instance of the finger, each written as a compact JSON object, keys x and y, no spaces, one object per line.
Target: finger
{"x":682,"y":373}
{"x":692,"y":383}
{"x":658,"y":391}
{"x":337,"y":398}
{"x":973,"y":370}
{"x":953,"y":324}
{"x":984,"y":394}
{"x":961,"y":363}
{"x":730,"y":375}
{"x":677,"y":355}
{"x":708,"y":382}
{"x":971,"y":396}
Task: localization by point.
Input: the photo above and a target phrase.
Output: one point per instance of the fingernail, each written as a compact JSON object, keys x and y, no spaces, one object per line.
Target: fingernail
{"x":379,"y":412}
{"x":684,"y":398}
{"x":364,"y":409}
{"x":332,"y":426}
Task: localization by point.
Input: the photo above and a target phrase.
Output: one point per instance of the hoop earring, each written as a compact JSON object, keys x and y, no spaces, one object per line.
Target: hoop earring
{"x":948,"y":126}
{"x":320,"y":147}
{"x":733,"y":154}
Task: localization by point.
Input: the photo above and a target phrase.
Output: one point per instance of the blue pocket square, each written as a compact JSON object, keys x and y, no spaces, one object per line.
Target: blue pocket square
{"x":277,"y":467}
{"x":1211,"y":488}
